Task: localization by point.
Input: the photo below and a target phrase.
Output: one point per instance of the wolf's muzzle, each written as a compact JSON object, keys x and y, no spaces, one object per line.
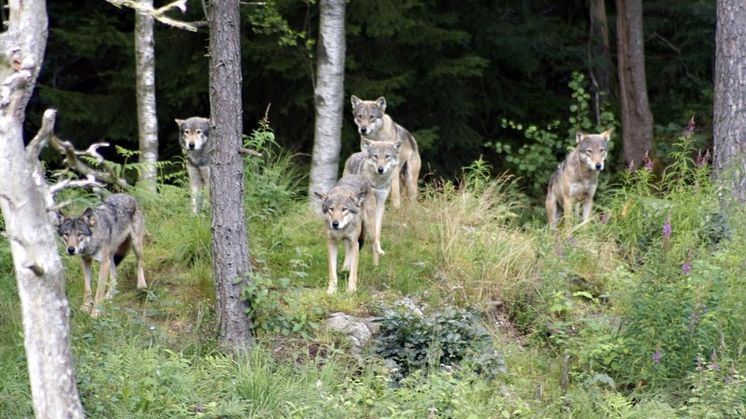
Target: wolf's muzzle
{"x":380,"y":170}
{"x":335,"y":225}
{"x":599,"y":166}
{"x":70,"y":250}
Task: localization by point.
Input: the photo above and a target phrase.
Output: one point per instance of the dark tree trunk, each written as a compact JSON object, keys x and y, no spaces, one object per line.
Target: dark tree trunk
{"x":637,"y":121}
{"x":230,"y":247}
{"x":328,"y":97}
{"x":599,"y":56}
{"x":33,"y":245}
{"x":730,"y":87}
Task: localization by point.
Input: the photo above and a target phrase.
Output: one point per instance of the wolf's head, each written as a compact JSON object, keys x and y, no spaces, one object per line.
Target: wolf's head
{"x":339,"y":208}
{"x":368,"y":114}
{"x":592,"y":149}
{"x":193,"y":132}
{"x":76,"y":231}
{"x":382,"y":155}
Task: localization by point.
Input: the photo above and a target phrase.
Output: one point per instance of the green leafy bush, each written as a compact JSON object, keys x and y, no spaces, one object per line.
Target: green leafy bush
{"x":269,"y":302}
{"x":414,"y":341}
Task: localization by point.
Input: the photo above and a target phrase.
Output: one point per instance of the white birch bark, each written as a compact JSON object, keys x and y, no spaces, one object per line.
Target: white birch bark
{"x":147,"y":120}
{"x":328,"y":97}
{"x":37,"y":265}
{"x":729,"y":121}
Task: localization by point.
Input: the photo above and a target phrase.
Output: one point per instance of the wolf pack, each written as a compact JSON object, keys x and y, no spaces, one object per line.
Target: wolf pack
{"x":387,"y":168}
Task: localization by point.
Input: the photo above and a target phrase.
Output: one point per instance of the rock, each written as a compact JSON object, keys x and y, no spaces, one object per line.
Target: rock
{"x":358,"y":330}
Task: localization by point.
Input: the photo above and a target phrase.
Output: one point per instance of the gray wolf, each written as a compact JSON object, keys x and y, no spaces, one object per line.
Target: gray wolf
{"x":347,"y":207}
{"x":194,"y":137}
{"x":374,"y":124}
{"x":105,"y":233}
{"x":377,"y":164}
{"x":576,"y":178}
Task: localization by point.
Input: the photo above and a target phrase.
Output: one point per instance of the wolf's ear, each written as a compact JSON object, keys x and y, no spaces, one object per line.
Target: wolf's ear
{"x":579,"y":137}
{"x":355,"y":101}
{"x":321,"y":196}
{"x":366,"y":144}
{"x":396,"y":145}
{"x":607,"y":134}
{"x":88,"y":217}
{"x":381,"y":103}
{"x":179,"y":122}
{"x":359,"y":198}
{"x":59,"y":218}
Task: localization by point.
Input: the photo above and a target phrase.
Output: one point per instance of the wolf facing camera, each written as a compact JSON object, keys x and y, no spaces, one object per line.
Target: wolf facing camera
{"x":104,"y":233}
{"x":373,"y":124}
{"x":576,"y":178}
{"x":194,"y":139}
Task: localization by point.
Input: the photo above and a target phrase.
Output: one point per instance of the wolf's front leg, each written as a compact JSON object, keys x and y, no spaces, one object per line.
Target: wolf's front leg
{"x":332,"y":247}
{"x":396,"y":187}
{"x":87,"y":296}
{"x":112,"y":287}
{"x":103,"y":276}
{"x":195,"y":187}
{"x":348,"y":251}
{"x":587,"y":207}
{"x":352,"y":283}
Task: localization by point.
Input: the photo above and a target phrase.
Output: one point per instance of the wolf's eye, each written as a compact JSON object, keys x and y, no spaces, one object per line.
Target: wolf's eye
{"x":589,"y":151}
{"x":65,"y":236}
{"x":81,"y":237}
{"x":186,"y":132}
{"x":388,"y":156}
{"x":602,"y":150}
{"x":199,"y":131}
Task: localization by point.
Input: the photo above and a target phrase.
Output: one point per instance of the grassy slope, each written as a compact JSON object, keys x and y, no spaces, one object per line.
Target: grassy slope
{"x":152,"y":354}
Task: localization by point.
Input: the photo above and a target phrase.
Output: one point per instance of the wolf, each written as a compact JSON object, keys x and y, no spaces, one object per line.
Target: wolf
{"x":105,"y":233}
{"x":377,"y":164}
{"x":347,"y":207}
{"x":374,"y":124}
{"x":576,"y":178}
{"x":194,"y":138}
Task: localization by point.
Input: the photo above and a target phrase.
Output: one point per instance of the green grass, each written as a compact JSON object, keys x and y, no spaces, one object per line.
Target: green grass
{"x":605,"y":297}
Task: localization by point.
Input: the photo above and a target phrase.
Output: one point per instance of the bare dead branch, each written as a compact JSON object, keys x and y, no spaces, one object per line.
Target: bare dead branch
{"x":90,"y":180}
{"x":59,"y":206}
{"x":159,"y":14}
{"x":74,"y":163}
{"x":40,"y":140}
{"x":249,"y":152}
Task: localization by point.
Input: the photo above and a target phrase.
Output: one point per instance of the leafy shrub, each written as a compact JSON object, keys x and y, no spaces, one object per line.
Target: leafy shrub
{"x":269,"y":304}
{"x":413,"y":341}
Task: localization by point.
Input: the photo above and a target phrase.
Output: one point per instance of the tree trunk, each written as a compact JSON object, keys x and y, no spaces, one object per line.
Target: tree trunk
{"x":38,"y":268}
{"x":599,"y":56}
{"x":637,"y":121}
{"x":730,"y":87}
{"x":230,"y":247}
{"x":147,"y":120}
{"x":328,"y":97}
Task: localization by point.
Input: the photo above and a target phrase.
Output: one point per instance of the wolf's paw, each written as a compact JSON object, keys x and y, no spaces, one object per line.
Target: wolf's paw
{"x":86,"y":306}
{"x":95,"y":312}
{"x":331,"y":290}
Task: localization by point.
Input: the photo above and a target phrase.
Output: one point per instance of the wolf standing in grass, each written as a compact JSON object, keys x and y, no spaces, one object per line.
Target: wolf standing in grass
{"x":576,"y":178}
{"x":377,"y":164}
{"x":105,"y":233}
{"x":194,"y":136}
{"x":374,"y":125}
{"x":347,"y":209}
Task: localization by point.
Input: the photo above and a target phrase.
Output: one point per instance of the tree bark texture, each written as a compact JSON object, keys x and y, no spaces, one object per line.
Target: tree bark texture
{"x":729,"y":121}
{"x":147,"y":120}
{"x":599,"y":56}
{"x":37,"y":265}
{"x":328,"y":97}
{"x":637,"y":121}
{"x":230,"y":247}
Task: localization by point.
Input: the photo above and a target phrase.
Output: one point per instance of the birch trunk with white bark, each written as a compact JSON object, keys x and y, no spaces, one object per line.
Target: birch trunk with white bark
{"x":147,"y":120}
{"x":37,"y":264}
{"x":328,"y":97}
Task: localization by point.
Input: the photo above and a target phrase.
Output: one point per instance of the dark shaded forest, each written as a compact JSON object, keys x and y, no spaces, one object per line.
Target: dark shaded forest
{"x":450,"y":70}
